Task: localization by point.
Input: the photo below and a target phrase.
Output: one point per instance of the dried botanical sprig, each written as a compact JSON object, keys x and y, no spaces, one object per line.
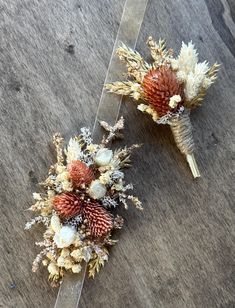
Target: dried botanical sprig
{"x":170,"y":88}
{"x":159,"y":53}
{"x":82,"y":187}
{"x":58,"y":141}
{"x":136,"y":66}
{"x":114,"y":131}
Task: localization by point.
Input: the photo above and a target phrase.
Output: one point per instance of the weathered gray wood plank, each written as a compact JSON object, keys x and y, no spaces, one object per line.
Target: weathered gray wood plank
{"x":46,"y":85}
{"x":180,"y":251}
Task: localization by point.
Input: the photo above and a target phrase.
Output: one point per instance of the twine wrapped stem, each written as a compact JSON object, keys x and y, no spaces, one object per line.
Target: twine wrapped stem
{"x":182,"y":131}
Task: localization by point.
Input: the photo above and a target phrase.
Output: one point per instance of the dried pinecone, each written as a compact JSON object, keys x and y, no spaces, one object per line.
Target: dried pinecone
{"x":80,"y":173}
{"x":67,"y":205}
{"x":159,"y":86}
{"x":97,"y":219}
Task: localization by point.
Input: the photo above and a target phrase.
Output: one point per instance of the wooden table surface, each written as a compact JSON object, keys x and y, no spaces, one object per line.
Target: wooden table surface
{"x":53,"y":60}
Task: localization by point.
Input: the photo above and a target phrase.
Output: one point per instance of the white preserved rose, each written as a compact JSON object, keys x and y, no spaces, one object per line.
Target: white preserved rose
{"x":97,"y":190}
{"x":103,"y":157}
{"x":65,"y":237}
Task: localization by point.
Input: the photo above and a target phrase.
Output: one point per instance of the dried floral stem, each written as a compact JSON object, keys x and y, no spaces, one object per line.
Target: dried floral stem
{"x":57,"y":141}
{"x":136,"y":66}
{"x":159,"y":52}
{"x":114,"y":131}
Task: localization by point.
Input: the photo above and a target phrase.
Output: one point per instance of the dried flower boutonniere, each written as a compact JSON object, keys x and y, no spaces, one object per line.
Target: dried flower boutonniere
{"x":82,"y":188}
{"x":170,"y":86}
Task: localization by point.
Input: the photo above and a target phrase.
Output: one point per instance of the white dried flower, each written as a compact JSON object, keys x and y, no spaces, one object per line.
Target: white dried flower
{"x":76,"y":268}
{"x":181,"y":76}
{"x":74,"y":150}
{"x":105,"y":178}
{"x":103,"y":157}
{"x":67,"y":185}
{"x":86,"y":135}
{"x":97,"y":190}
{"x":60,"y":169}
{"x":174,"y":64}
{"x":108,"y":202}
{"x":65,"y":236}
{"x":149,"y":110}
{"x":190,"y":89}
{"x":92,"y":147}
{"x":195,"y":80}
{"x":207,"y":82}
{"x":77,"y":254}
{"x":37,"y":196}
{"x":60,"y":261}
{"x":174,"y":100}
{"x":50,"y":193}
{"x":136,"y":95}
{"x":142,"y":107}
{"x":65,"y":252}
{"x":135,"y":87}
{"x":63,"y":176}
{"x":187,"y":58}
{"x":77,"y":242}
{"x":53,"y":269}
{"x":68,"y":263}
{"x":55,"y":223}
{"x":201,"y":69}
{"x":45,"y":262}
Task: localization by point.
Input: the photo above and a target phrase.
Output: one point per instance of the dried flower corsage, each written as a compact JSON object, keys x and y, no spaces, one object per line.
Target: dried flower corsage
{"x":170,"y":86}
{"x":82,"y":188}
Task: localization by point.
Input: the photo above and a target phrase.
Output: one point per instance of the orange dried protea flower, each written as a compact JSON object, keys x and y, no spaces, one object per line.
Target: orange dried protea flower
{"x":159,"y":85}
{"x":97,"y":219}
{"x":67,"y":205}
{"x":79,"y":173}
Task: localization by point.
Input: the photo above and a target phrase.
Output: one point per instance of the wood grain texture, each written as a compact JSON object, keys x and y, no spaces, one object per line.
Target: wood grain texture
{"x":53,"y":59}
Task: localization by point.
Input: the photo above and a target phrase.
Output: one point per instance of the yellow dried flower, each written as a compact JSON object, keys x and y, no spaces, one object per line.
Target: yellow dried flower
{"x":68,"y":263}
{"x":53,"y":269}
{"x":65,"y":252}
{"x":76,"y":268}
{"x":77,"y":254}
{"x":92,"y":147}
{"x":61,"y":261}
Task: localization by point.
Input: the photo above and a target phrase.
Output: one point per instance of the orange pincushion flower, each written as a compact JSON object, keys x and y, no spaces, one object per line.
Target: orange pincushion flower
{"x":80,"y":173}
{"x":159,"y":86}
{"x":99,"y":221}
{"x":67,"y":205}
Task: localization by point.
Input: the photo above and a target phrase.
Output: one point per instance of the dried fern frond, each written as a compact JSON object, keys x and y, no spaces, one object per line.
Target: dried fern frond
{"x":124,"y":155}
{"x":95,"y":264}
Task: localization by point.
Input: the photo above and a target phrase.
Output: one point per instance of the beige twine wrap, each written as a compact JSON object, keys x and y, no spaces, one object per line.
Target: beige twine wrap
{"x":182,"y":131}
